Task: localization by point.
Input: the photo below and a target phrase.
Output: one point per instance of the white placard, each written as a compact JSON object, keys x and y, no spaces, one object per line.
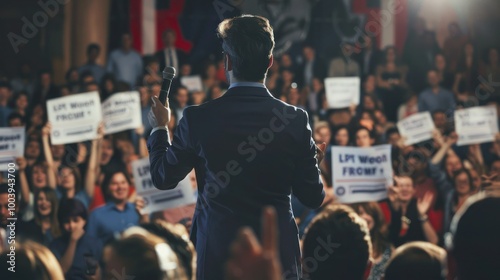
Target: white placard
{"x":122,"y":111}
{"x":74,"y":118}
{"x":155,"y":199}
{"x":12,"y":142}
{"x":416,"y":128}
{"x":361,"y":174}
{"x":11,"y":145}
{"x":192,"y":83}
{"x":342,"y":92}
{"x":476,"y":125}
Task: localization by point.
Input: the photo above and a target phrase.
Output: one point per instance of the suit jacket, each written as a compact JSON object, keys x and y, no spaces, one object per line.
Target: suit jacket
{"x":182,"y":58}
{"x":249,"y":150}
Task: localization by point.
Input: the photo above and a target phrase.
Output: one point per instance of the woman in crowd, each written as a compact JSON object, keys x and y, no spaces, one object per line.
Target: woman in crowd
{"x":408,"y":216}
{"x":341,"y":136}
{"x":44,"y":227}
{"x":463,"y":189}
{"x":118,"y":213}
{"x":364,"y":137}
{"x":381,"y":247}
{"x":445,"y":76}
{"x":491,"y":65}
{"x":467,"y":72}
{"x":78,"y":251}
{"x":21,"y":103}
{"x":107,"y":86}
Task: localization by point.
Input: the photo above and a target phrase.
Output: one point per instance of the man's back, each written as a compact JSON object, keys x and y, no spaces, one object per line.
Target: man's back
{"x":249,"y":150}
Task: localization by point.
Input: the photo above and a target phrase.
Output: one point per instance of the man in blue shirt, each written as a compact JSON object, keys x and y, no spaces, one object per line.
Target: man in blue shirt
{"x":118,"y":214}
{"x":78,"y":252}
{"x":97,"y":70}
{"x":125,"y":63}
{"x":435,"y":97}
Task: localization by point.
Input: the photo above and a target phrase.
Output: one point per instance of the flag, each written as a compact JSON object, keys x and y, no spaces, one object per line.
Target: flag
{"x":150,"y":18}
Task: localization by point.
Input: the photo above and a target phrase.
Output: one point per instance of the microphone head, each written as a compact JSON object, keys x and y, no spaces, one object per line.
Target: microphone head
{"x":169,"y":73}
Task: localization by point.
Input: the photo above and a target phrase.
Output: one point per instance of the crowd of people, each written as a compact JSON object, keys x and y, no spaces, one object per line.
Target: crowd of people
{"x":78,"y":216}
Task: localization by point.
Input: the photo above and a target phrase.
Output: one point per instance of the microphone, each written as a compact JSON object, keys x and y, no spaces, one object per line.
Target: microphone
{"x":168,"y":76}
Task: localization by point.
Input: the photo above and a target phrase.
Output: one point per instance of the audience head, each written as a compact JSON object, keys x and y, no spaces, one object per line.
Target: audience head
{"x":182,"y":96}
{"x":32,"y":150}
{"x":341,"y":135}
{"x":452,"y":163}
{"x":248,"y":43}
{"x":338,"y":117}
{"x":417,"y":261}
{"x":143,"y":255}
{"x":463,"y":181}
{"x":15,"y":120}
{"x":433,"y":78}
{"x":72,"y":216}
{"x":69,"y":178}
{"x":93,"y":51}
{"x":348,"y":248}
{"x":406,"y":189}
{"x":322,"y":133}
{"x":47,"y":205}
{"x":126,"y":41}
{"x":116,"y":186}
{"x":177,"y":237}
{"x":364,"y":137}
{"x":5,"y":93}
{"x":169,"y":37}
{"x":33,"y":261}
{"x":392,"y":135}
{"x":475,"y":229}
{"x":439,"y":118}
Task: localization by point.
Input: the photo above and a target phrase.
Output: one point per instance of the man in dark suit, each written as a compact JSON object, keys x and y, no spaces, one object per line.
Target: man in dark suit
{"x":311,"y":67}
{"x":169,"y":55}
{"x":369,"y":57}
{"x":248,"y":149}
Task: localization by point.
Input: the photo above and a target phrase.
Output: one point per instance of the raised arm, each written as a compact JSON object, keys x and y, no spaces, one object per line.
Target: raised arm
{"x":423,"y":206}
{"x":90,"y":177}
{"x":445,"y":148}
{"x":23,"y":180}
{"x":51,"y":172}
{"x":435,"y":171}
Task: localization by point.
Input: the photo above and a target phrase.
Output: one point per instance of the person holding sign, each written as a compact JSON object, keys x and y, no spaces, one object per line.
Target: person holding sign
{"x":249,"y":150}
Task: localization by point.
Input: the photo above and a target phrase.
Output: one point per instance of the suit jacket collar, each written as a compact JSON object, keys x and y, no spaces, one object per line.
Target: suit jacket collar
{"x":248,"y":91}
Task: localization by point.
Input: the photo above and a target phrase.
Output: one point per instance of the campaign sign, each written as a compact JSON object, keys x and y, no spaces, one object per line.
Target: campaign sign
{"x":476,"y":125}
{"x":342,"y":92}
{"x":361,"y":174}
{"x":74,"y":118}
{"x":416,"y":128}
{"x":155,"y":199}
{"x":122,"y":111}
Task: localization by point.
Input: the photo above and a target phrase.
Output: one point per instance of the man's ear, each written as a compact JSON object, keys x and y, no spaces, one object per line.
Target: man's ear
{"x":271,"y":60}
{"x":228,"y":64}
